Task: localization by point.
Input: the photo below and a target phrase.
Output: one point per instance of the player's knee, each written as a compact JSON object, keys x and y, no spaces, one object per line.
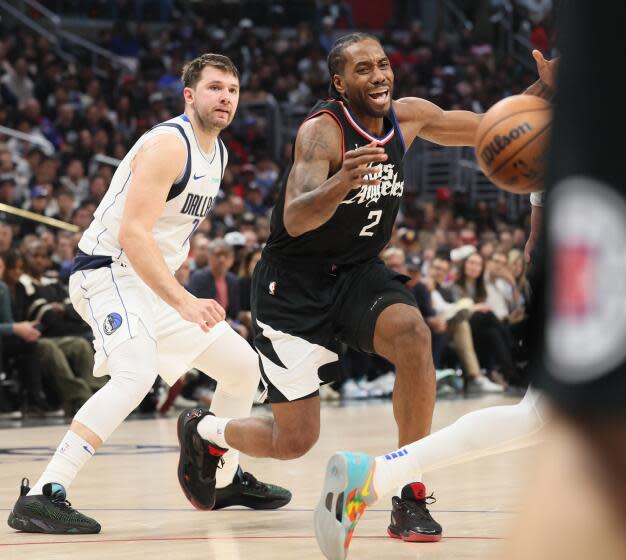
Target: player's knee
{"x":413,"y":334}
{"x":243,"y":375}
{"x":296,"y":443}
{"x":134,"y":384}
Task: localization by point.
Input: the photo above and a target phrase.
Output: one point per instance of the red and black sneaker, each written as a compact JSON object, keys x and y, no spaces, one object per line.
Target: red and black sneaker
{"x":199,"y":460}
{"x":410,"y":519}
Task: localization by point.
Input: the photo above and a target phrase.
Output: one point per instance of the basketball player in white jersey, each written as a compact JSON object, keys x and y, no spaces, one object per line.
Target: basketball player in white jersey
{"x":144,"y":323}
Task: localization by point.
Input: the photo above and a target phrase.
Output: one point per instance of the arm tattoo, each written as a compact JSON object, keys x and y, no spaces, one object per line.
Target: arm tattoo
{"x":540,"y":89}
{"x":315,"y":143}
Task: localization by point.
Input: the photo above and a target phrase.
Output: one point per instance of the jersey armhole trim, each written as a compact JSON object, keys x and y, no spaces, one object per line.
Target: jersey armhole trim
{"x":178,"y":187}
{"x":396,"y":124}
{"x":328,"y":112}
{"x":222,"y":148}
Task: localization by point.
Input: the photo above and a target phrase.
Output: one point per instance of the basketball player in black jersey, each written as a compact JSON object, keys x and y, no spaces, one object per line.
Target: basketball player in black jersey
{"x":320,"y":281}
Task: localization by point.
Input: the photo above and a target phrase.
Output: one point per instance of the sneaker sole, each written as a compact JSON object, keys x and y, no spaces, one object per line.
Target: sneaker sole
{"x":329,"y":531}
{"x":180,"y":427}
{"x":274,"y":504}
{"x":413,"y":537}
{"x":26,"y":525}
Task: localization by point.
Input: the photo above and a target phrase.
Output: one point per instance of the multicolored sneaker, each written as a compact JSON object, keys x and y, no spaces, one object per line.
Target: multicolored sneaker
{"x":246,"y":490}
{"x":348,"y":490}
{"x":410,"y":519}
{"x":49,"y":513}
{"x":199,"y":460}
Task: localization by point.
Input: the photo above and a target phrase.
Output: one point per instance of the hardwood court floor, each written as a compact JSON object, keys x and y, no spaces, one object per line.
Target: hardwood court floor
{"x":130,"y":487}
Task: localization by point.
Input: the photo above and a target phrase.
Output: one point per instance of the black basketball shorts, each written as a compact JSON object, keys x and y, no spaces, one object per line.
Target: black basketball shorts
{"x":301,"y":315}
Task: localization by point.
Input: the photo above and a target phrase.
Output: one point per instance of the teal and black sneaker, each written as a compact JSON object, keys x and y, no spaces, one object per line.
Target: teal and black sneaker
{"x":49,"y":513}
{"x":246,"y":490}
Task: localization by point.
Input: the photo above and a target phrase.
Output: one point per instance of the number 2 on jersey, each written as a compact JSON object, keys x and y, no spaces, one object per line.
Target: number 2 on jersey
{"x":374,"y":215}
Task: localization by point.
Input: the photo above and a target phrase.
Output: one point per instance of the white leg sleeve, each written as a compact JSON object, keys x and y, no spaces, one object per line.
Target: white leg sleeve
{"x":235,"y":366}
{"x":133,"y":369}
{"x":480,"y":433}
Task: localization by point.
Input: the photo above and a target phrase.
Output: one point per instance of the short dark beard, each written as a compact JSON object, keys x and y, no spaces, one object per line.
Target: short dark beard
{"x":360,"y":105}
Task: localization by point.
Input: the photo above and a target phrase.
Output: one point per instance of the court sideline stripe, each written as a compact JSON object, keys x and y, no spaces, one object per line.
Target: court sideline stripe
{"x":244,"y":537}
{"x":286,"y":510}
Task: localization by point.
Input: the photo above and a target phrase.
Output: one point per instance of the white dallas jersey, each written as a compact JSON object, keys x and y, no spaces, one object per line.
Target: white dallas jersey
{"x":188,"y":202}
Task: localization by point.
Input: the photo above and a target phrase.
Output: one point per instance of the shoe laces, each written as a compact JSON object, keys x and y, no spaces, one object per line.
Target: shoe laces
{"x":418,"y":508}
{"x":251,"y":481}
{"x":63,"y":505}
{"x":207,"y":464}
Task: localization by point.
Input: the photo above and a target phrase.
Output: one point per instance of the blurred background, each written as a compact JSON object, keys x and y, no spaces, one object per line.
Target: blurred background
{"x":81,"y":81}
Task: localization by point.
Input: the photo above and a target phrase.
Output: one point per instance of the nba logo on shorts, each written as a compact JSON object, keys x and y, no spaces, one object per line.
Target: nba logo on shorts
{"x":272,"y":288}
{"x":112,"y":322}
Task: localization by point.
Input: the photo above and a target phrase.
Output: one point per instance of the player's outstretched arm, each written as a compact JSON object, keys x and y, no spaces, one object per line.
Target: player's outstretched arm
{"x":155,"y":168}
{"x":419,"y":117}
{"x":312,"y":196}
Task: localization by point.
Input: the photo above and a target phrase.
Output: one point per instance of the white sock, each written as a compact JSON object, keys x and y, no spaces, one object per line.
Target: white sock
{"x":478,"y":434}
{"x":213,"y":428}
{"x":71,"y":455}
{"x":226,"y":406}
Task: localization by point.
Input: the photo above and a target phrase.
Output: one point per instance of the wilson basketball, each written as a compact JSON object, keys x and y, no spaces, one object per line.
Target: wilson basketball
{"x":512,"y":141}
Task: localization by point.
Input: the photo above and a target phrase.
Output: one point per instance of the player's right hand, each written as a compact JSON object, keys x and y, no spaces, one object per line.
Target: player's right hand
{"x":206,"y":313}
{"x":26,"y":330}
{"x":356,"y":165}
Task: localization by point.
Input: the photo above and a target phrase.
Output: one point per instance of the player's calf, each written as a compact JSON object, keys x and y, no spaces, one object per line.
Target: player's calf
{"x":199,"y":460}
{"x":294,"y":443}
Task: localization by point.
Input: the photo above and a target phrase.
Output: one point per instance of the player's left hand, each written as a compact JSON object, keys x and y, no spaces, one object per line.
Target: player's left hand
{"x":546,"y":68}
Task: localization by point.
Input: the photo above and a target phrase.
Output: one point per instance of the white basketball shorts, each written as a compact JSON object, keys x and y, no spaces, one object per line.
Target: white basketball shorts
{"x":113,"y":299}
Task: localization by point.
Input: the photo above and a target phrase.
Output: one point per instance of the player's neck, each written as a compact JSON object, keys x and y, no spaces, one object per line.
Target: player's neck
{"x":206,"y":138}
{"x":373,"y":125}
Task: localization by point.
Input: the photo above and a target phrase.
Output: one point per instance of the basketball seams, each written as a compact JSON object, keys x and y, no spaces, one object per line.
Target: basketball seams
{"x":530,"y":141}
{"x":508,"y":116}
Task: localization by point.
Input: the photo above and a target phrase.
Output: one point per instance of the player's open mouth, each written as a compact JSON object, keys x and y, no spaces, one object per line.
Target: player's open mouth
{"x":222,"y":112}
{"x":379,"y":96}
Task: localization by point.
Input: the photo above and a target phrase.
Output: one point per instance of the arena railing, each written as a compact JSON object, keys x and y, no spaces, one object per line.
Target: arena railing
{"x":40,"y":30}
{"x":55,"y":30}
{"x":46,"y":146}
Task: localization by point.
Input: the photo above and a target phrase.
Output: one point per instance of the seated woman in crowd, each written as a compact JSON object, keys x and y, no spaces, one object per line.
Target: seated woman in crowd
{"x":492,"y":339}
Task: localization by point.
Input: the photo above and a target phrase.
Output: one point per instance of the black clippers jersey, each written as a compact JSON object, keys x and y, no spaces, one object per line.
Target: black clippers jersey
{"x":362,"y":224}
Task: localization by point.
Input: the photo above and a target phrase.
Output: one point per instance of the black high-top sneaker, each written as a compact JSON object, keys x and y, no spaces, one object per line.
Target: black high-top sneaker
{"x":246,"y":490}
{"x":410,"y":519}
{"x":199,"y":460}
{"x":49,"y":512}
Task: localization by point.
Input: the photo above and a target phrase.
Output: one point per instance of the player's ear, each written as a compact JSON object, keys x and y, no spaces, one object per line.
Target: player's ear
{"x":188,"y":94}
{"x":338,"y":83}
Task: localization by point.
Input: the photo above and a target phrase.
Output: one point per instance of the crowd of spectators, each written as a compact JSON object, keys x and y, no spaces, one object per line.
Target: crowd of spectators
{"x":87,"y":113}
